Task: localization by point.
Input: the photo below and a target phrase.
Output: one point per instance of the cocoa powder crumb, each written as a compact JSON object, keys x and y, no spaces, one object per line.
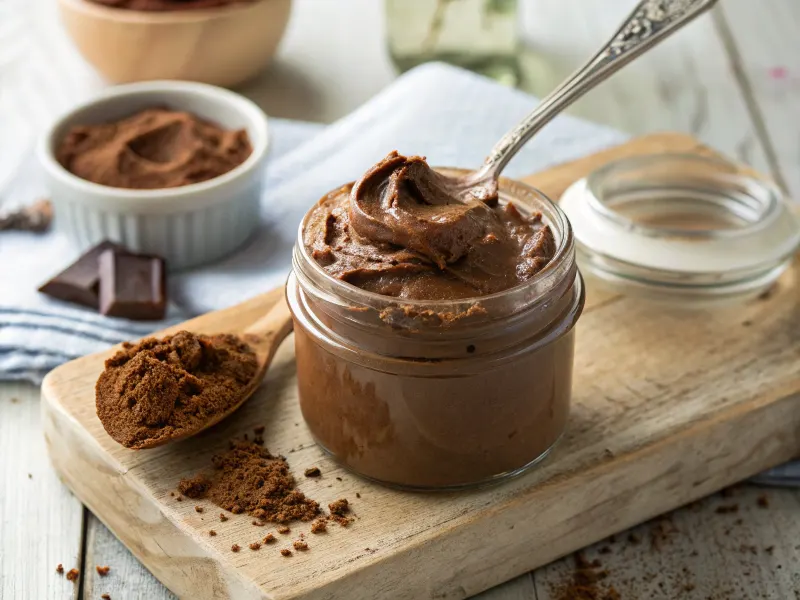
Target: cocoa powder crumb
{"x":339,"y":479}
{"x":769,"y":550}
{"x":313,"y":472}
{"x":286,"y":552}
{"x":358,"y":495}
{"x":179,"y":498}
{"x":259,"y":430}
{"x":258,"y":523}
{"x":198,"y":509}
{"x":319,"y":526}
{"x":102,"y":571}
{"x":634,"y":538}
{"x":270,"y":539}
{"x":299,"y":545}
{"x":212,"y":533}
{"x":72,"y":574}
{"x":60,"y":569}
{"x":105,"y":596}
{"x":160,"y":389}
{"x":284,"y":530}
{"x":35,"y":218}
{"x":255,"y":546}
{"x":235,"y":548}
{"x":249,"y":479}
{"x":763,"y":501}
{"x":338,"y":511}
{"x":222,"y":517}
{"x":727,"y":509}
{"x":194,"y":487}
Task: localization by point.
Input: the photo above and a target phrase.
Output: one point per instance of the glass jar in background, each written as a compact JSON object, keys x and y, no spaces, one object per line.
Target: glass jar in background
{"x":479,"y":35}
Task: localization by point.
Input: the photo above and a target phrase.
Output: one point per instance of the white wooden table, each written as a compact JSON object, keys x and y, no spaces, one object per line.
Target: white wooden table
{"x":731,"y":79}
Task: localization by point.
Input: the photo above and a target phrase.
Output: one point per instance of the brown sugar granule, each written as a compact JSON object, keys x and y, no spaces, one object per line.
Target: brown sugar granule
{"x":222,"y":517}
{"x":255,"y":546}
{"x":727,"y":509}
{"x":212,"y":533}
{"x":313,"y":472}
{"x":763,"y":501}
{"x":284,"y":530}
{"x":286,"y":552}
{"x":235,"y":548}
{"x":60,"y":569}
{"x":300,"y":545}
{"x":269,"y":539}
{"x":194,"y":487}
{"x":319,"y":526}
{"x":102,"y":571}
{"x":72,"y":574}
{"x":198,"y":509}
{"x":247,"y":478}
{"x":160,"y":389}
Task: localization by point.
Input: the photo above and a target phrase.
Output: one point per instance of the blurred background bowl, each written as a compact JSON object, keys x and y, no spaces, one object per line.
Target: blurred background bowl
{"x":222,"y":46}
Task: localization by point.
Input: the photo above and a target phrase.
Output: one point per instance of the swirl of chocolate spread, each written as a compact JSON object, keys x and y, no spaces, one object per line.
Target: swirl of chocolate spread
{"x":401,"y":231}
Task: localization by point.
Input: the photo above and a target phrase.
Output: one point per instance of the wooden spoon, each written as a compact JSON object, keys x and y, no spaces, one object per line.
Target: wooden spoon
{"x":264,"y":337}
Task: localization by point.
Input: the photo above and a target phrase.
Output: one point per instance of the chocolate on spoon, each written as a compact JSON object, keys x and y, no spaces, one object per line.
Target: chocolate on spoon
{"x":164,"y":390}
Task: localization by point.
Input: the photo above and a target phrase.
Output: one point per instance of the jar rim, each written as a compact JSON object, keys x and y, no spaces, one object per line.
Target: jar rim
{"x":509,"y":189}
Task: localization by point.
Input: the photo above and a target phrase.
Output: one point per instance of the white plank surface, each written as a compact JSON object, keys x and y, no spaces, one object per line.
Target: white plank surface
{"x":40,"y":520}
{"x":733,"y":81}
{"x":764,"y":42}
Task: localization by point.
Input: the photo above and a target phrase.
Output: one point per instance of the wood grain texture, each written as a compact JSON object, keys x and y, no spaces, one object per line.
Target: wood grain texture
{"x":659,"y":396}
{"x":40,"y":520}
{"x":685,"y":84}
{"x":763,"y":46}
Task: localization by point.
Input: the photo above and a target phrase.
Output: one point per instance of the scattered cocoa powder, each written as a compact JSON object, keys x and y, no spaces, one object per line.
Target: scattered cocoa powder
{"x":212,"y":533}
{"x":255,"y":546}
{"x":727,"y":509}
{"x":249,"y":479}
{"x":72,"y":574}
{"x":313,"y":472}
{"x":300,"y":545}
{"x":269,"y":539}
{"x":235,"y":548}
{"x":585,"y":583}
{"x":259,"y":430}
{"x":160,"y":389}
{"x":102,"y":571}
{"x":286,"y":552}
{"x":319,"y":526}
{"x":763,"y":501}
{"x":60,"y":569}
{"x":222,"y":517}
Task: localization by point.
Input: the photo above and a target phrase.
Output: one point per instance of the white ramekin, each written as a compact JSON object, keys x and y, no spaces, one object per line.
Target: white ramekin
{"x":188,"y":225}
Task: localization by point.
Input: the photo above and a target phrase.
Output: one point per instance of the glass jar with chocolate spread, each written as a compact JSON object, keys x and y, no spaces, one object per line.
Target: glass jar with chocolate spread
{"x":434,"y":334}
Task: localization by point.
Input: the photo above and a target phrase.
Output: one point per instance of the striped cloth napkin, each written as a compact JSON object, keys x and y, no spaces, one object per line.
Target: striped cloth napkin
{"x":449,"y":115}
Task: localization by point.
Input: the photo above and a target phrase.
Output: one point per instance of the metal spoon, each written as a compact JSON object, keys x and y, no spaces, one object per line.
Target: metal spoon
{"x":649,"y":23}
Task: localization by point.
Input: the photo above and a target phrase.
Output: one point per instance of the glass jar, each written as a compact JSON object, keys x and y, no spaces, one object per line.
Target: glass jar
{"x":439,"y":394}
{"x":479,"y":35}
{"x":681,"y":228}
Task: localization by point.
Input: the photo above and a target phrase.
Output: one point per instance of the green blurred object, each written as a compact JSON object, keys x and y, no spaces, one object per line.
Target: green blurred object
{"x":479,"y":35}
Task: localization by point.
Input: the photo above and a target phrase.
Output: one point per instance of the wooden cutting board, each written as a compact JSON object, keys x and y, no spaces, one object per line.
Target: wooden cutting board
{"x":668,"y":407}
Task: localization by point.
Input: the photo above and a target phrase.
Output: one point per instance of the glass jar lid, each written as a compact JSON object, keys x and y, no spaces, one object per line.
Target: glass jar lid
{"x":680,"y":226}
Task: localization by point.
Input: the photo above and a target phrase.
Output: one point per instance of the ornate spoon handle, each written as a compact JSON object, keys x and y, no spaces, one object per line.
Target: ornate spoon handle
{"x":649,"y":23}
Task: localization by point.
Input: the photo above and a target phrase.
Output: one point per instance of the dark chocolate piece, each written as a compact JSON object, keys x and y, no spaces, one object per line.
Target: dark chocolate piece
{"x":79,"y":283}
{"x":36,"y":217}
{"x":132,"y":286}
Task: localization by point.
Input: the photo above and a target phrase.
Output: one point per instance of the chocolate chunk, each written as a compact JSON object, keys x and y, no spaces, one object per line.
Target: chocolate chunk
{"x":132,"y":286}
{"x":79,"y":283}
{"x":36,"y":217}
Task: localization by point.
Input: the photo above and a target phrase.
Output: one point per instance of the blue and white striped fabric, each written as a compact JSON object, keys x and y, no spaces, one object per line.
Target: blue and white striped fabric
{"x":451,"y":116}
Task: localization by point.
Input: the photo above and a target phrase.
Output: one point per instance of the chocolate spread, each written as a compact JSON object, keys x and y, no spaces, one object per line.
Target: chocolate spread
{"x":155,"y":148}
{"x":402,"y":231}
{"x":162,"y":5}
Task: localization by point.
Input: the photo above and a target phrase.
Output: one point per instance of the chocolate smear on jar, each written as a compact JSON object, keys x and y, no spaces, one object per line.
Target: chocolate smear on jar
{"x":161,"y":389}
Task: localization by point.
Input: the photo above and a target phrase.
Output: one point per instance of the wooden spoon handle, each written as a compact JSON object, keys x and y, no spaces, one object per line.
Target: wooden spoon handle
{"x":266,"y":334}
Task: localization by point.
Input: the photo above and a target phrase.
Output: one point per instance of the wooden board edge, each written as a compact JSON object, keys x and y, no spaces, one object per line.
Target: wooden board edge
{"x":648,"y":484}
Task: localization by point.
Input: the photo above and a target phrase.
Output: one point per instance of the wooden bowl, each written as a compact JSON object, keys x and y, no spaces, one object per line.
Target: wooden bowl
{"x":222,"y":46}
